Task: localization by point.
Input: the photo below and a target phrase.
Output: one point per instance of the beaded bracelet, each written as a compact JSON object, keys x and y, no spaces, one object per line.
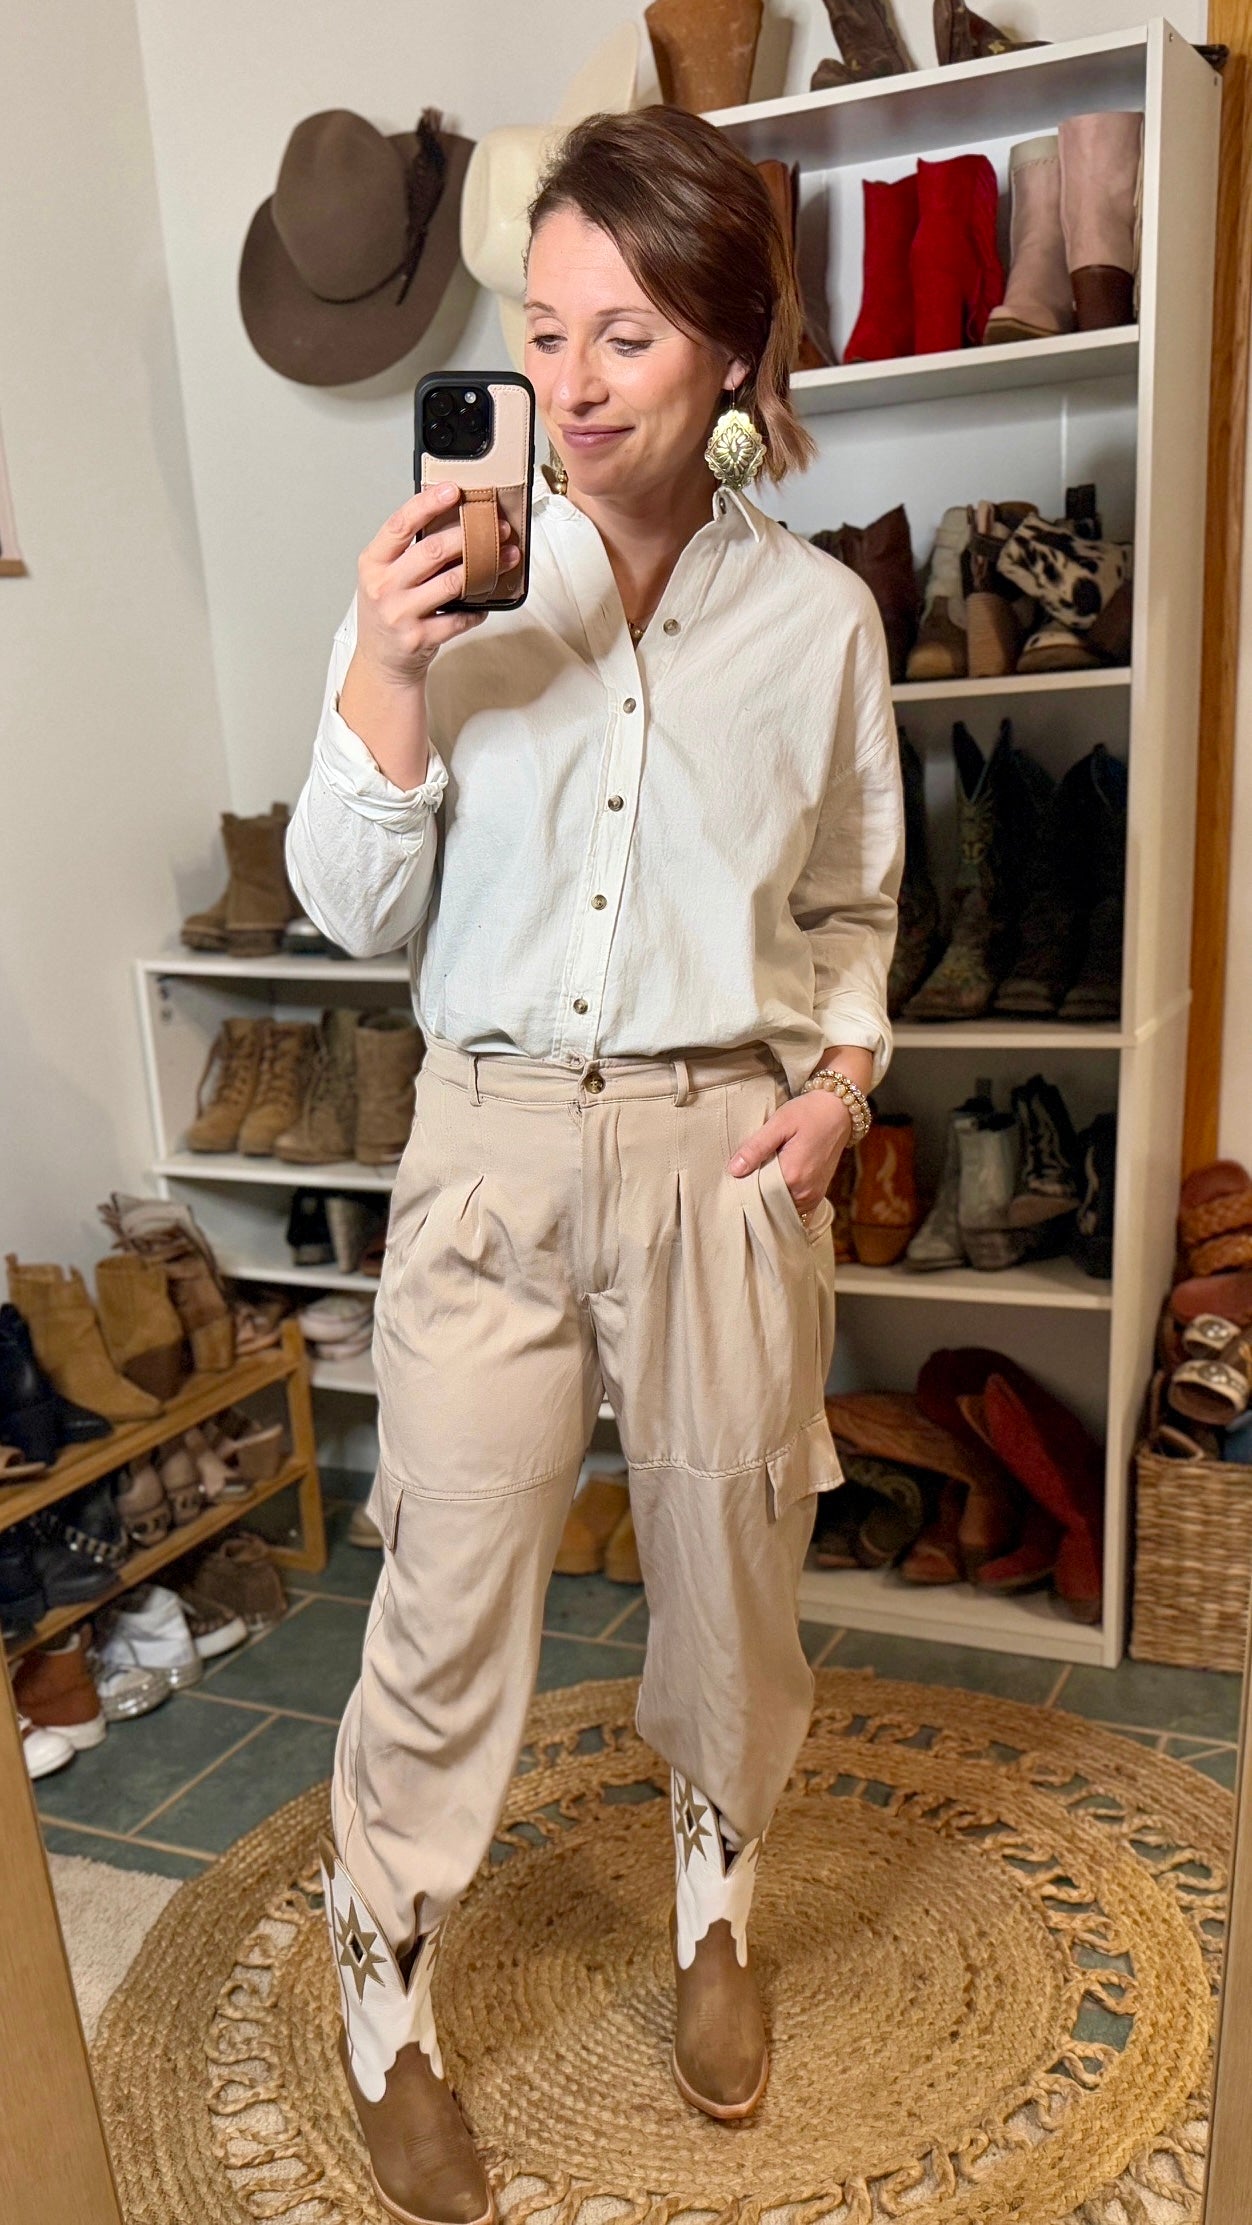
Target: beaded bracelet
{"x":829,"y":1077}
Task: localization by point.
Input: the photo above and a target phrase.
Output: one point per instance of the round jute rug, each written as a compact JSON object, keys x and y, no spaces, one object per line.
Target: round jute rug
{"x":987,"y":1937}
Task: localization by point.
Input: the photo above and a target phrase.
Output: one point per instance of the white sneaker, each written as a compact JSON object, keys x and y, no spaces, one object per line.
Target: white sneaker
{"x":153,"y":1626}
{"x":44,"y":1751}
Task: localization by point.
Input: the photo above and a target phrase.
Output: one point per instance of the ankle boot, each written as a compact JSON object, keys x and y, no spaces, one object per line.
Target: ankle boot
{"x":884,"y":325}
{"x":990,"y":1158}
{"x":1072,"y":577}
{"x":869,"y":45}
{"x":259,"y":899}
{"x":958,"y":278}
{"x":326,"y":1126}
{"x":286,"y":1066}
{"x":941,"y":651}
{"x":1039,"y":299}
{"x":592,"y":1519}
{"x":938,"y":1241}
{"x":720,"y":2058}
{"x":1000,"y":800}
{"x":232,"y":1069}
{"x":998,"y":615}
{"x":389,"y":1051}
{"x":1045,"y":1199}
{"x":884,"y":1203}
{"x":962,"y":36}
{"x":421,"y":2157}
{"x":207,"y":930}
{"x":142,"y":1332}
{"x":68,"y":1344}
{"x":160,"y":1229}
{"x":1101,"y":199}
{"x":882,"y":555}
{"x":918,"y":940}
{"x":704,"y":55}
{"x":1099,"y":798}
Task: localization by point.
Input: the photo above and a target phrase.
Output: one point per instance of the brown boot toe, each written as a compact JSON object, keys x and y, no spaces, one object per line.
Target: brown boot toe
{"x":720,"y":2058}
{"x":422,"y":2159}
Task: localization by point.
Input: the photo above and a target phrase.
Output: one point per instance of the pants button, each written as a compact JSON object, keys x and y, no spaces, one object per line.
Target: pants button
{"x":593,"y":1081}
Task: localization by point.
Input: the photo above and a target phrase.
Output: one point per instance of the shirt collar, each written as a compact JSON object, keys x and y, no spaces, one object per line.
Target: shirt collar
{"x":729,"y":513}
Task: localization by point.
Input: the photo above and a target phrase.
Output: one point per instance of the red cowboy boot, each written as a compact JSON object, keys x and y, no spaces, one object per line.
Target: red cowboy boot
{"x":885,"y":324}
{"x":958,"y":278}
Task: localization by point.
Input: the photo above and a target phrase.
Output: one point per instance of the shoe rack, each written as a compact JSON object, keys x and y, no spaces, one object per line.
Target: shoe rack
{"x":204,"y":1396}
{"x":1126,"y":408}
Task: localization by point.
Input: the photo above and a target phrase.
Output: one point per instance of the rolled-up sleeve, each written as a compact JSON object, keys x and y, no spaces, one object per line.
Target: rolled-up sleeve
{"x":845,"y":899}
{"x":360,"y":851}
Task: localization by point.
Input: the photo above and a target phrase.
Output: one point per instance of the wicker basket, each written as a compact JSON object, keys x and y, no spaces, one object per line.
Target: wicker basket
{"x":1193,"y":1561}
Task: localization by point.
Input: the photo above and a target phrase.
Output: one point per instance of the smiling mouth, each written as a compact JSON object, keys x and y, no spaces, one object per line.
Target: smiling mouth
{"x":593,"y":432}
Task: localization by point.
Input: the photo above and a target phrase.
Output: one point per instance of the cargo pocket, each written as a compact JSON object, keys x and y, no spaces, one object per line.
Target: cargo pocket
{"x":809,"y":1463}
{"x":383,"y":1506}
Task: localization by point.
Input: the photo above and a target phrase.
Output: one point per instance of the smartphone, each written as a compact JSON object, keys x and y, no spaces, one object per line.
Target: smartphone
{"x":478,"y":429}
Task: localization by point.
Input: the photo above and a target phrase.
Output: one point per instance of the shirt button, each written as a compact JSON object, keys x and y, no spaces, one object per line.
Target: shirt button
{"x":580,"y":1004}
{"x":629,"y":704}
{"x":615,"y":803}
{"x":670,"y":626}
{"x":598,"y":903}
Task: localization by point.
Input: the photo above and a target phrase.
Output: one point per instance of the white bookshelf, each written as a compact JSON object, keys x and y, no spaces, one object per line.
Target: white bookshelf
{"x":1127,"y":408}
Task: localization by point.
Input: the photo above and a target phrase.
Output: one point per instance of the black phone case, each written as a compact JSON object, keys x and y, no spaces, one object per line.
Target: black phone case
{"x":448,"y":468}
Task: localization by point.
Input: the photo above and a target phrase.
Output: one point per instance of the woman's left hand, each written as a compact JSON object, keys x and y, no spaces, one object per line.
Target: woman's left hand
{"x":809,"y":1134}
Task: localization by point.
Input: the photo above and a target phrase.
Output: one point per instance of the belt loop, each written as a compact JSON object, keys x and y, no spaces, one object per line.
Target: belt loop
{"x":683,"y":1093}
{"x":472,"y":1084}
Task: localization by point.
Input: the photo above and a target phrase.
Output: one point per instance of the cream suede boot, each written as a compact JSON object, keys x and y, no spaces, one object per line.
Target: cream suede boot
{"x":1038,"y":301}
{"x":720,"y":2058}
{"x":1101,"y":199}
{"x":422,"y":2160}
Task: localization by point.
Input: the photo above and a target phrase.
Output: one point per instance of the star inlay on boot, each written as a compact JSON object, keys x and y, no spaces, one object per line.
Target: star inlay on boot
{"x":720,"y":2059}
{"x":422,"y":2159}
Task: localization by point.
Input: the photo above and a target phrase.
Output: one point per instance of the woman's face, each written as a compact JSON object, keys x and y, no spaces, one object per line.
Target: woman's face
{"x":625,"y":396}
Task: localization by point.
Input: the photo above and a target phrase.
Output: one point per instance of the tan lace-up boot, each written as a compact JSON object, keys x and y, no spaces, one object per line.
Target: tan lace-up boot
{"x":389,"y":1050}
{"x":260,"y":899}
{"x":142,"y":1332}
{"x":233,"y":1066}
{"x":68,"y":1344}
{"x":326,"y":1128}
{"x":422,"y":2159}
{"x":286,"y":1065}
{"x":720,"y":2059}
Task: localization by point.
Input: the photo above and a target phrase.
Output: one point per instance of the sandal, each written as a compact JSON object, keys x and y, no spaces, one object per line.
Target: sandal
{"x":181,"y":1481}
{"x":16,"y":1468}
{"x":1215,"y":1218}
{"x":1215,"y":1383}
{"x":217,"y":1478}
{"x":141,"y":1502}
{"x":1164,"y":1436}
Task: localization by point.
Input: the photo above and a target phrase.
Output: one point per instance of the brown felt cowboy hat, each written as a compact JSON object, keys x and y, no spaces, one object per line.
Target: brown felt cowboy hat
{"x":346,"y":263}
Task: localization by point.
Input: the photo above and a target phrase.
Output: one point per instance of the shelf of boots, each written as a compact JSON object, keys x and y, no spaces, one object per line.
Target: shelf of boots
{"x":898,"y":380}
{"x":949,"y":1614}
{"x":1041,"y":1282}
{"x":205,"y":1395}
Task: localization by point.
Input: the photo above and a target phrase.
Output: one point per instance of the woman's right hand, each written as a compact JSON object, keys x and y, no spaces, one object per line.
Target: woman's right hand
{"x":401,"y":583}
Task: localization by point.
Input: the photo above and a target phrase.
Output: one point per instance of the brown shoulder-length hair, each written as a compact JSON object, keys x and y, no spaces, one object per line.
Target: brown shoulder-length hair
{"x":692,"y":220}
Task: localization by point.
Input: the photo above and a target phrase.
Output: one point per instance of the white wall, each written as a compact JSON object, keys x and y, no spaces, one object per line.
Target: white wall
{"x":111,"y":763}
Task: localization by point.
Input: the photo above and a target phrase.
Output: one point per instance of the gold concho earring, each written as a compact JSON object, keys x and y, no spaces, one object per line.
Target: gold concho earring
{"x":736,"y":450}
{"x":555,"y":473}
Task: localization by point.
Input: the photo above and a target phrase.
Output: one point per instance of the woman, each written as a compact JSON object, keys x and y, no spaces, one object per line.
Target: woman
{"x":670,"y":831}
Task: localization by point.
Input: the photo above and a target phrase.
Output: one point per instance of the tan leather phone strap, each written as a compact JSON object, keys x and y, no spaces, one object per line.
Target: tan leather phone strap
{"x":480,"y":536}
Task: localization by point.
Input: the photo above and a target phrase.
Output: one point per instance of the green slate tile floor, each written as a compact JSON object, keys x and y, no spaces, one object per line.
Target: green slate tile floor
{"x":174,"y":1789}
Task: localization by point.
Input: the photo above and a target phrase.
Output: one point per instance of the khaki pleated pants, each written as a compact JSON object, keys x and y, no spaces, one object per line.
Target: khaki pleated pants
{"x":555,"y":1236}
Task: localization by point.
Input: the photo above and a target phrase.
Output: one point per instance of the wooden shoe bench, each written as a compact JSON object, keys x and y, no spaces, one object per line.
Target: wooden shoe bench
{"x":202,"y":1397}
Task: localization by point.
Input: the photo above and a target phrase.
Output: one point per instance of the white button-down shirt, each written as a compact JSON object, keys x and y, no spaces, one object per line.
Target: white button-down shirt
{"x":689,"y":844}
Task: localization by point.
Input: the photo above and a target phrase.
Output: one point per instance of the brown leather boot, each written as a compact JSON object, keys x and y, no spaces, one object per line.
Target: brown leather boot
{"x":869,"y":45}
{"x":142,"y":1333}
{"x":882,"y":555}
{"x":962,"y":36}
{"x":704,"y":51}
{"x":919,"y":943}
{"x":422,"y":2159}
{"x":68,"y":1344}
{"x":720,"y":2058}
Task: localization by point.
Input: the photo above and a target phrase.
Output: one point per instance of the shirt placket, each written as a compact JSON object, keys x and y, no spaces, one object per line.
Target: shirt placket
{"x":624,"y":670}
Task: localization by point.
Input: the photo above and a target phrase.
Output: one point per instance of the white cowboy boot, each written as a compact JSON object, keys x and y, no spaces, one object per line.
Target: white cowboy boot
{"x":422,"y":2159}
{"x":720,"y":2060}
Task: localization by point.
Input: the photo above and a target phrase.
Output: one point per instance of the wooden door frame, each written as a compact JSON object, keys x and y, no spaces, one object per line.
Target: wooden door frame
{"x":54,"y":2158}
